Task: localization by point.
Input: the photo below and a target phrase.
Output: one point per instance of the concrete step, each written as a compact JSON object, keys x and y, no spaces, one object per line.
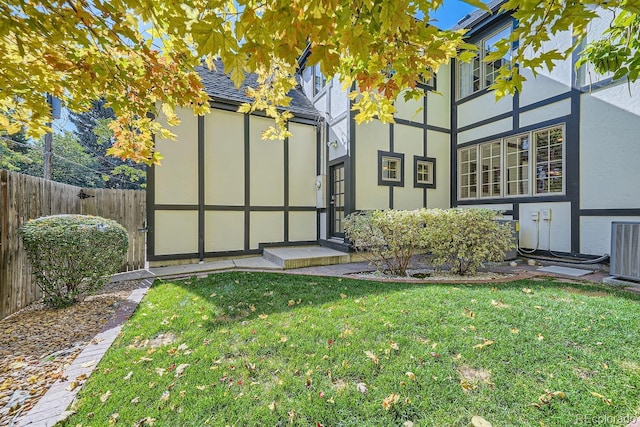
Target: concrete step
{"x":304,"y":256}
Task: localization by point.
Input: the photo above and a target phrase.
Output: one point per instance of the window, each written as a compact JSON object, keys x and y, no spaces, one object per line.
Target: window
{"x":477,"y":74}
{"x":468,"y":168}
{"x":390,"y":168}
{"x":549,"y":161}
{"x":425,"y":172}
{"x":517,"y":166}
{"x":490,"y":178}
{"x":480,"y":167}
{"x":319,"y":80}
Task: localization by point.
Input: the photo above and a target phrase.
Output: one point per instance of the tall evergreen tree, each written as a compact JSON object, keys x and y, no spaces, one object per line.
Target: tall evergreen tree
{"x":95,"y":136}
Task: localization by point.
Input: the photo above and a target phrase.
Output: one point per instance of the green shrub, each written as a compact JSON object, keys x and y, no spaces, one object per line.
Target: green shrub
{"x":464,"y":239}
{"x":388,"y":237}
{"x":72,"y":255}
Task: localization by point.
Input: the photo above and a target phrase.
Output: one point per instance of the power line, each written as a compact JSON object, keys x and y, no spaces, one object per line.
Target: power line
{"x":64,"y":159}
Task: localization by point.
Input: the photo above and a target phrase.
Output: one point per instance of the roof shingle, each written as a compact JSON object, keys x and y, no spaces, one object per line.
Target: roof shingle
{"x":220,"y":87}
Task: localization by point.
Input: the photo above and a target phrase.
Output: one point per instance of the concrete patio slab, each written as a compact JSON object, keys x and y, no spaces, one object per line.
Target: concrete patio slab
{"x":258,"y":263}
{"x":305,"y":256}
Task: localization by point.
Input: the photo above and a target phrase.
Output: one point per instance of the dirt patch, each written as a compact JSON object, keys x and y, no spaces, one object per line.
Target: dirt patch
{"x":474,"y":376}
{"x":631,"y":366}
{"x":595,"y":294}
{"x":430,"y":275}
{"x":37,"y":344}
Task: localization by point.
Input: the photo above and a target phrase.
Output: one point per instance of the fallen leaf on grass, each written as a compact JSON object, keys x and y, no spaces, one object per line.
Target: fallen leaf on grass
{"x":128,"y":376}
{"x":272,"y":406}
{"x":466,"y":385}
{"x":540,"y":337}
{"x":165,"y":396}
{"x":498,"y":304}
{"x":601,"y":397}
{"x":389,"y":401}
{"x":514,"y":330}
{"x":180,"y":369}
{"x":469,"y":313}
{"x":113,"y":418}
{"x":147,"y":421}
{"x":485,"y":343}
{"x":160,"y":371}
{"x":372,"y":356}
{"x":527,"y":291}
{"x":135,"y":400}
{"x":548,"y":397}
{"x":478,"y":421}
{"x":361,"y":387}
{"x":105,"y":396}
{"x":411,"y":376}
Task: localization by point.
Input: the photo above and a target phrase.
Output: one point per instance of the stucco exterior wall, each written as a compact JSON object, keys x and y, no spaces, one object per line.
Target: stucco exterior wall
{"x":370,"y":137}
{"x":610,"y":148}
{"x":224,"y":158}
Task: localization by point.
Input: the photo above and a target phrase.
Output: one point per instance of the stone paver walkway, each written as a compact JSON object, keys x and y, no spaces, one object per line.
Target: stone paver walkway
{"x":52,"y":406}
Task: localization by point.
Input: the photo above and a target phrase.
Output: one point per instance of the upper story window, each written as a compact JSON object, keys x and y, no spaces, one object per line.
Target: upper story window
{"x":319,"y":80}
{"x":529,"y":164}
{"x":477,"y":74}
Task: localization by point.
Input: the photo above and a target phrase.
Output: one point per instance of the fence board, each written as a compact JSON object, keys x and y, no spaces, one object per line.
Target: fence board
{"x":24,"y":197}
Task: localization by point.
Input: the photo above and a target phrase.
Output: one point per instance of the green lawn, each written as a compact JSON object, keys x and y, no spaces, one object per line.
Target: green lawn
{"x":248,"y":349}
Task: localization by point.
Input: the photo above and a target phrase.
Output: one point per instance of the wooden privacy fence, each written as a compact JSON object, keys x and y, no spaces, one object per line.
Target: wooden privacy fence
{"x":24,"y":197}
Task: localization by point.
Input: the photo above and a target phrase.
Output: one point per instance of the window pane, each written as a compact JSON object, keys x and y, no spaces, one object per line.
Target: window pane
{"x":517,"y":151}
{"x":467,"y":176}
{"x":491,"y":170}
{"x":549,"y":160}
{"x":489,"y":46}
{"x":468,"y":77}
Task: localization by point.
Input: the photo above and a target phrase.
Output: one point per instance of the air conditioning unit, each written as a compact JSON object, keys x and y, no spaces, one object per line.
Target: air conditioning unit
{"x":625,"y":250}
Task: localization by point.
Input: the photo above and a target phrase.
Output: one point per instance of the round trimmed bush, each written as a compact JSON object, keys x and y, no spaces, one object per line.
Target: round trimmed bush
{"x":72,"y":255}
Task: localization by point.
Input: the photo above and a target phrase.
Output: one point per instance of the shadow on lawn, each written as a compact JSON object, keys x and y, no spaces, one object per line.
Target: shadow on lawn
{"x":243,"y":296}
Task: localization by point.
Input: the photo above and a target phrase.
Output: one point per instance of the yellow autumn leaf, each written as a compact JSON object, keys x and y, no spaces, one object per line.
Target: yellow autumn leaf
{"x":411,"y":376}
{"x":485,"y":343}
{"x":263,"y":316}
{"x":514,"y":330}
{"x":466,"y":385}
{"x":601,"y":397}
{"x":390,"y":400}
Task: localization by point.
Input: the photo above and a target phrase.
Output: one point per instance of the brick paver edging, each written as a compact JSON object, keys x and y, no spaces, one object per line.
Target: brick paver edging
{"x":52,"y":406}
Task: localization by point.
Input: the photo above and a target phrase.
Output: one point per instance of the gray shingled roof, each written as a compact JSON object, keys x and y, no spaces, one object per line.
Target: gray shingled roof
{"x":478,"y":15}
{"x":219,"y":87}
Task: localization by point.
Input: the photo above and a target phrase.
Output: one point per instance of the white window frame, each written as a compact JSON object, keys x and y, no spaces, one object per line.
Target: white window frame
{"x":429,"y":172}
{"x":398,"y":168}
{"x":532,"y":187}
{"x":482,"y":72}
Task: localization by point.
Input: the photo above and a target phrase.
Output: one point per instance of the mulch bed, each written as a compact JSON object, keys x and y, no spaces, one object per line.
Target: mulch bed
{"x":37,"y":344}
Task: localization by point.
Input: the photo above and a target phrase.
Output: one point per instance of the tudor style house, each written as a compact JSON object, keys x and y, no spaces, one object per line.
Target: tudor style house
{"x":560,"y":157}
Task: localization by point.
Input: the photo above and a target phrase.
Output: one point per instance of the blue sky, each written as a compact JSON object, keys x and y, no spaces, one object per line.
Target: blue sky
{"x":450,"y":13}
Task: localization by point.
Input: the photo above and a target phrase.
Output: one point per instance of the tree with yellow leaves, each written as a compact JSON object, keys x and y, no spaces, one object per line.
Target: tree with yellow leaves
{"x":139,"y":55}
